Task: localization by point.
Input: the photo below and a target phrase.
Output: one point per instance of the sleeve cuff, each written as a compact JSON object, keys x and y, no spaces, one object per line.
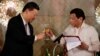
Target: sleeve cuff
{"x":35,"y":38}
{"x":53,"y":37}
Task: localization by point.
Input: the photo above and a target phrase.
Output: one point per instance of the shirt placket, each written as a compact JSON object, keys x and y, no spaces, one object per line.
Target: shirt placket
{"x":27,"y":29}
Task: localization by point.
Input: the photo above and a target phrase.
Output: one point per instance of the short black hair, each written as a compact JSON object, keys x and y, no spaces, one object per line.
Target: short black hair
{"x":30,"y":6}
{"x":78,"y":12}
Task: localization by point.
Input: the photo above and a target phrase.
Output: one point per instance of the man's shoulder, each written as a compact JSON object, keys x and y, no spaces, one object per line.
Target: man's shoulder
{"x":89,"y":26}
{"x":14,"y":19}
{"x":68,"y":28}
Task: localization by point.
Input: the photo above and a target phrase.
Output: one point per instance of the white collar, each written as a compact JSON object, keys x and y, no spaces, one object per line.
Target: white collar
{"x":23,"y":20}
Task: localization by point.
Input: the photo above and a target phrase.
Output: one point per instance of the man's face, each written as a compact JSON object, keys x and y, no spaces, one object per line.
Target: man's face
{"x":74,"y":21}
{"x":32,"y":14}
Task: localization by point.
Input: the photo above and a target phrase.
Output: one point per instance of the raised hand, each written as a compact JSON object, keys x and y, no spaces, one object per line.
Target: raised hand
{"x":40,"y":36}
{"x":48,"y":32}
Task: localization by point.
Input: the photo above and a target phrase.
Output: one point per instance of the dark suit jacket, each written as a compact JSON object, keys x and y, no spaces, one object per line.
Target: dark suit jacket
{"x":17,"y":42}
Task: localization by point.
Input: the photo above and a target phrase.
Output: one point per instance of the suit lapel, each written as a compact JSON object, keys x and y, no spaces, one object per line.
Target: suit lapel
{"x":21,"y":24}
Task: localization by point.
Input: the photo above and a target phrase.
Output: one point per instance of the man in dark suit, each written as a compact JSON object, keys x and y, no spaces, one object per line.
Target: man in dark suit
{"x":19,"y":36}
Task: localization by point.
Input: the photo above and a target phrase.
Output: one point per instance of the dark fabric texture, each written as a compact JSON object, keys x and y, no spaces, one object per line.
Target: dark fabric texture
{"x":17,"y":42}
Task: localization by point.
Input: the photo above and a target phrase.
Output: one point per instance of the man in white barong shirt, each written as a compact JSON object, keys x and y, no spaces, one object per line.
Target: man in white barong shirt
{"x":87,"y":34}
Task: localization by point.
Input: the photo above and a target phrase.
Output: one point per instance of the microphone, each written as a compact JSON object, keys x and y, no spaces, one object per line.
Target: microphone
{"x":58,"y":38}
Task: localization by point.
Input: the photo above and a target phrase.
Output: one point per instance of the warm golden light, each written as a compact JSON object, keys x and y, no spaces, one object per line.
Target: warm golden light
{"x":98,"y":14}
{"x":9,"y":9}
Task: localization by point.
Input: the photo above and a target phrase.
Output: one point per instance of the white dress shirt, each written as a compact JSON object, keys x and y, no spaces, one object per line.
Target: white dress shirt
{"x":87,"y":34}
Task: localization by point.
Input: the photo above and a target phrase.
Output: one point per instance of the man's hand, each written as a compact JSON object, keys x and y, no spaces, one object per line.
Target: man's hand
{"x":83,"y":46}
{"x":40,"y":36}
{"x":49,"y":32}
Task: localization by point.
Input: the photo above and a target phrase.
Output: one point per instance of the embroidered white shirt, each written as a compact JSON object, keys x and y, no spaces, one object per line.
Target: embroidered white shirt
{"x":87,"y":34}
